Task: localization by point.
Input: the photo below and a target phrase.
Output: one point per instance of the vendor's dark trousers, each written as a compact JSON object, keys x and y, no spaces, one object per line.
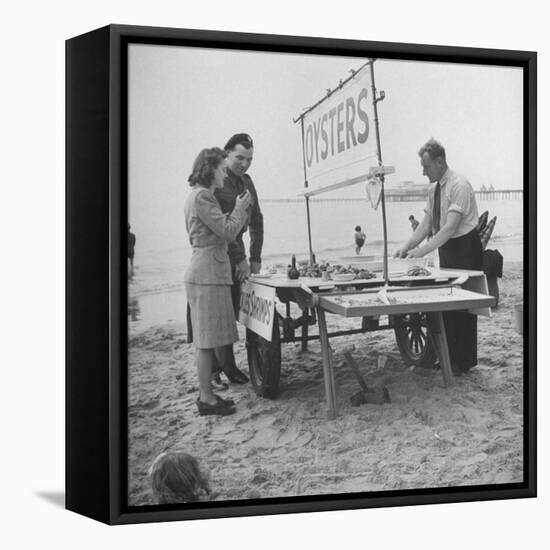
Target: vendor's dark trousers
{"x":461,"y":327}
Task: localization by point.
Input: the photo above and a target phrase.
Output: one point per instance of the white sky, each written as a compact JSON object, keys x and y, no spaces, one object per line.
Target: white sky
{"x":184,"y":99}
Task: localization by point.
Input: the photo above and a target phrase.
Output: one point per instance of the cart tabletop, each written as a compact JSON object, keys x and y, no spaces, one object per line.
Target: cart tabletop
{"x":280,"y":280}
{"x":399,"y":301}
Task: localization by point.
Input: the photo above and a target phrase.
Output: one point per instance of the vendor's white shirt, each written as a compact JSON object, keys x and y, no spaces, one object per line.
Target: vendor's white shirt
{"x":457,"y":195}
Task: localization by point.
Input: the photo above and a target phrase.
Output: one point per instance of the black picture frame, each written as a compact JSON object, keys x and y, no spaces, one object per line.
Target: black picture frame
{"x":96,"y":219}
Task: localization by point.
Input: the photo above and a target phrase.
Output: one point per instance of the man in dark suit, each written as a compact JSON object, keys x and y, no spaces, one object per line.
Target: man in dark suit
{"x":240,"y":152}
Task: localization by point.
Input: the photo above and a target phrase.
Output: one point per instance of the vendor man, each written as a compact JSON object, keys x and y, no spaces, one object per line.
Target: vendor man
{"x":240,"y":151}
{"x":451,"y":216}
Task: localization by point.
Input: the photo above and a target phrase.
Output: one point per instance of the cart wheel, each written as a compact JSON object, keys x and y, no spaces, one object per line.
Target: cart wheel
{"x":415,"y":344}
{"x":264,"y":361}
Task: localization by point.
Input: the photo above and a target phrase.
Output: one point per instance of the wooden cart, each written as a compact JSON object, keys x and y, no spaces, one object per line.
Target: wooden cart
{"x":415,"y":317}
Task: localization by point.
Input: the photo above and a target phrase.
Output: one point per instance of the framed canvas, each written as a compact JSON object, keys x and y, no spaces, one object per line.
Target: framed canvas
{"x":301,"y":274}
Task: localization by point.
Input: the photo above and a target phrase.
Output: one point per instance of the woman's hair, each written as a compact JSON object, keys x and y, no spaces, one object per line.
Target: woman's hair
{"x":203,"y":168}
{"x":176,"y":477}
{"x":357,"y":228}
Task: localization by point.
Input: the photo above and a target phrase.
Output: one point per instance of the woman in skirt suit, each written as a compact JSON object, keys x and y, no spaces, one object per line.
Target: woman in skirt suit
{"x":208,"y":278}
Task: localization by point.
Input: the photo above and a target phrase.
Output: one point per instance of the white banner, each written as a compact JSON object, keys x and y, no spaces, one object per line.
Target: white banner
{"x":257,"y":308}
{"x":339,"y":135}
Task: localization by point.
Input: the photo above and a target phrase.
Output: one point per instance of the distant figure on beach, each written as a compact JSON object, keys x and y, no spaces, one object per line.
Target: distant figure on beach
{"x":240,"y":152}
{"x":131,"y":252}
{"x":414,"y":222}
{"x":176,"y":478}
{"x":208,"y":277}
{"x":360,"y":238}
{"x":451,"y":214}
{"x":134,"y":310}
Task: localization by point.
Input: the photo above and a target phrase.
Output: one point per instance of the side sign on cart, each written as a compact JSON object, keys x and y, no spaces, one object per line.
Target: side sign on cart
{"x":257,"y":308}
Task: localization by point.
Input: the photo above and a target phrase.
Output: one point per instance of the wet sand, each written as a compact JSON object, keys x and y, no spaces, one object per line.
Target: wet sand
{"x":428,"y":436}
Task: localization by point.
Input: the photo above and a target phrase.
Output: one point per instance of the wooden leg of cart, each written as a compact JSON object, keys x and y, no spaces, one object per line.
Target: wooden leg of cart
{"x":438,"y":330}
{"x":305,"y":331}
{"x":332,"y":383}
{"x":327,"y":366}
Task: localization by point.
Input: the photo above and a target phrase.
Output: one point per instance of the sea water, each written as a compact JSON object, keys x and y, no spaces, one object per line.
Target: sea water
{"x":156,"y":293}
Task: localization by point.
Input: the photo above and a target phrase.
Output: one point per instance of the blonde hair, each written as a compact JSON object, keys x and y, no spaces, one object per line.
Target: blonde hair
{"x":176,"y":477}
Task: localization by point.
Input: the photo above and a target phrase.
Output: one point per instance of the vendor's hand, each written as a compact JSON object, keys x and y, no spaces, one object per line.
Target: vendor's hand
{"x":400,"y":252}
{"x":415,"y":253}
{"x":245,"y":199}
{"x":255,"y":267}
{"x":242,"y":271}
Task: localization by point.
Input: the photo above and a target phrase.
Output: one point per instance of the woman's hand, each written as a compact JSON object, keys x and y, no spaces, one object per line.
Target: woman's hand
{"x":245,"y":199}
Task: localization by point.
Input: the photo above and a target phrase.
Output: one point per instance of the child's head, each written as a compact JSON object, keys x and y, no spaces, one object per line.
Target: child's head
{"x":357,"y":228}
{"x":176,"y":478}
{"x":411,"y":217}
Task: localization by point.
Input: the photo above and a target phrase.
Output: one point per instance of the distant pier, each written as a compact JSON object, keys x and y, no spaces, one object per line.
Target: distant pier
{"x":492,"y":195}
{"x":400,"y":196}
{"x":496,"y":194}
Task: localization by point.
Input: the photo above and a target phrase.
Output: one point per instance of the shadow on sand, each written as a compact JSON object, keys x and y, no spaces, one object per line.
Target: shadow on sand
{"x":55,"y":497}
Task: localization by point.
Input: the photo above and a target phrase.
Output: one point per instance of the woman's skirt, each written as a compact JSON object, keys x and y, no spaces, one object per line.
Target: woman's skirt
{"x":212,"y":315}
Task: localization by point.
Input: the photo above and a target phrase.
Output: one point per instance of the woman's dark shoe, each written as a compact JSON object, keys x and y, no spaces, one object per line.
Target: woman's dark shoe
{"x":228,"y":401}
{"x":237,"y":376}
{"x":220,"y":408}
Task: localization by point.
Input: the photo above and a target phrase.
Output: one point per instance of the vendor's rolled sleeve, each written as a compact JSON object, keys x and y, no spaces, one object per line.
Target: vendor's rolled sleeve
{"x":460,"y":199}
{"x":457,"y":195}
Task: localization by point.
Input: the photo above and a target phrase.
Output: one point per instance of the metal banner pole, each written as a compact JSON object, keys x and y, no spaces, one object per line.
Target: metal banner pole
{"x":375,"y":101}
{"x":301,"y":119}
{"x":307,"y":198}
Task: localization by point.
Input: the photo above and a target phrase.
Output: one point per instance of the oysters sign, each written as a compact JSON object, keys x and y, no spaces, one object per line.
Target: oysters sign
{"x":339,"y":135}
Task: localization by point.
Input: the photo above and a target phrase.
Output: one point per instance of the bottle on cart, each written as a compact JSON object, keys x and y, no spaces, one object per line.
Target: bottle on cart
{"x":292,"y":272}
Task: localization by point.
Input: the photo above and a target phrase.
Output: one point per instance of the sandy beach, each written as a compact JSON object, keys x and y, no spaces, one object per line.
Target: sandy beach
{"x":428,"y":436}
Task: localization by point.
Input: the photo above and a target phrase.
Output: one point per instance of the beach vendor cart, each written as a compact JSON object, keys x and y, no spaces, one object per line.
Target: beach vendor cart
{"x":403,"y":295}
